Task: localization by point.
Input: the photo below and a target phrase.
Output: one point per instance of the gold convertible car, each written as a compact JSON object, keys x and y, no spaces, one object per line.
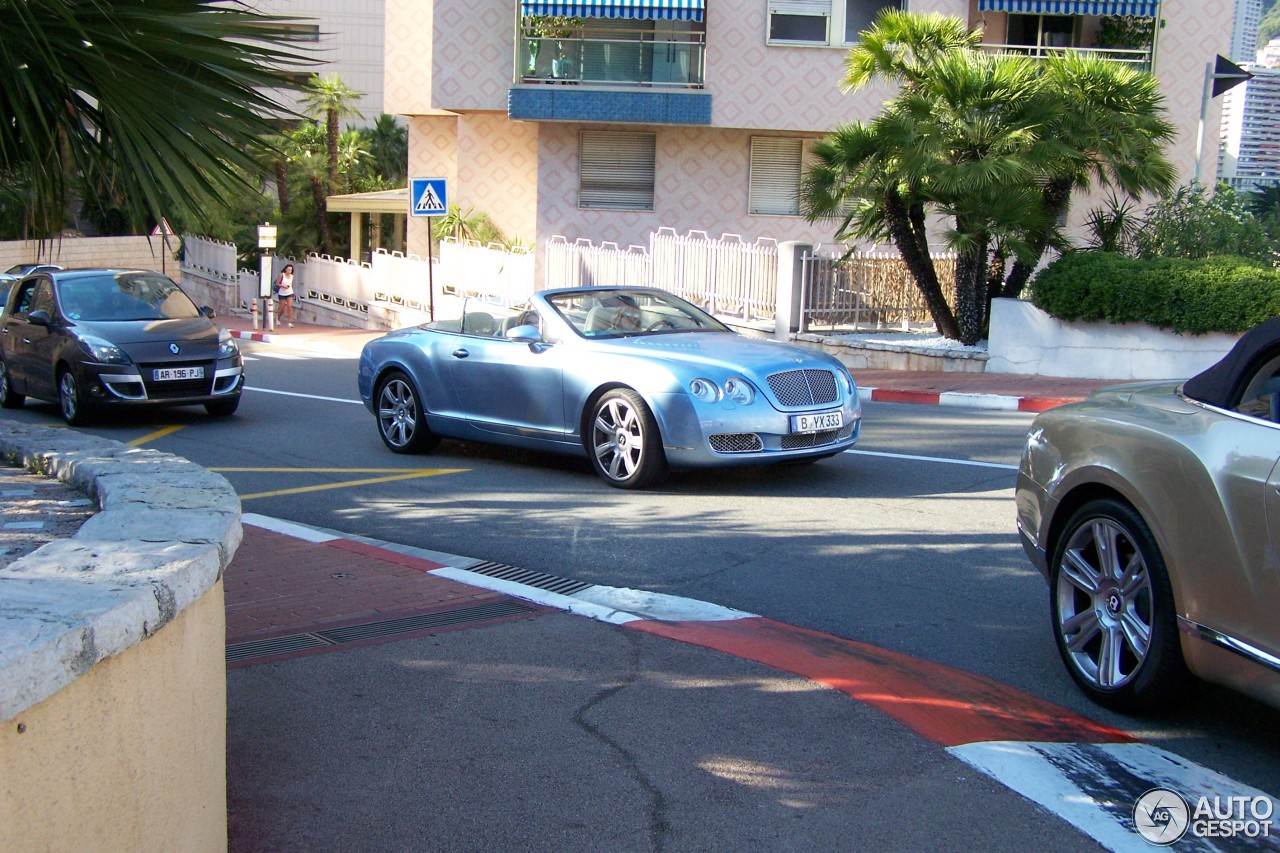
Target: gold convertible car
{"x":1153,"y":510}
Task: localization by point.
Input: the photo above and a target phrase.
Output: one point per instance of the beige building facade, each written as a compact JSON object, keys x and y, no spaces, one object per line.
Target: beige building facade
{"x":695,"y":114}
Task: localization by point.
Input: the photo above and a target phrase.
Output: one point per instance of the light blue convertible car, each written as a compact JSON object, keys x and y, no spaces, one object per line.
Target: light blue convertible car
{"x":635,"y":378}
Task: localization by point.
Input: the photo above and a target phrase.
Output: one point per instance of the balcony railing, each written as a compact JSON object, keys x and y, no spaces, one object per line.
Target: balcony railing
{"x":1140,"y":58}
{"x":642,"y":61}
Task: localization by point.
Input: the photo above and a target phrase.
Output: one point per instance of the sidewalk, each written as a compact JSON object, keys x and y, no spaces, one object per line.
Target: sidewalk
{"x":969,"y":390}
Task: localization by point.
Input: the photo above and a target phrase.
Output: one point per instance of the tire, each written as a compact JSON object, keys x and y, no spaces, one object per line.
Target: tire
{"x":1114,"y":619}
{"x":9,"y":399}
{"x":223,"y":408}
{"x":76,"y":410}
{"x":623,"y":441}
{"x":399,"y":412}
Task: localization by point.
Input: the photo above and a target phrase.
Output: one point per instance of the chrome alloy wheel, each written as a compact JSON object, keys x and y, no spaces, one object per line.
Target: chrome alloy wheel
{"x":1104,"y":604}
{"x":618,"y":439}
{"x":397,"y":413}
{"x":74,"y":408}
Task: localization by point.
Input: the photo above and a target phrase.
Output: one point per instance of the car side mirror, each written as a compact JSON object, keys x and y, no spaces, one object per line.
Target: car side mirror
{"x":39,"y":317}
{"x":207,"y":311}
{"x":525,"y":334}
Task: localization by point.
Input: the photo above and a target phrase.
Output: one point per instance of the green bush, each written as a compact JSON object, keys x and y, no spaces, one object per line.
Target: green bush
{"x":1217,"y":294}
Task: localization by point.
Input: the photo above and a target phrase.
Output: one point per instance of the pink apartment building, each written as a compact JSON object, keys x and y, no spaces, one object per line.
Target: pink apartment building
{"x":695,"y":114}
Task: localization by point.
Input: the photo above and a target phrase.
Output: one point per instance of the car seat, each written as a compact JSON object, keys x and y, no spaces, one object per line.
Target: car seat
{"x":477,"y":323}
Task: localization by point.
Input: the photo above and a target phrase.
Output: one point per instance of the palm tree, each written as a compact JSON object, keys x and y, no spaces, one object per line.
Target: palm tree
{"x":995,"y":142}
{"x":353,"y":158}
{"x":330,"y":98}
{"x":389,"y":145}
{"x":78,"y":96}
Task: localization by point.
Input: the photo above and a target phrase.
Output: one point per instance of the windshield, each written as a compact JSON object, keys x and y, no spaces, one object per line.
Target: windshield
{"x":124,"y":296}
{"x":626,"y":313}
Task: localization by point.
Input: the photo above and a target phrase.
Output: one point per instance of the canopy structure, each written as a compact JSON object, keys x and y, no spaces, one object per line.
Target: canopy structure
{"x":360,"y":205}
{"x":1135,"y":8}
{"x":670,"y":10}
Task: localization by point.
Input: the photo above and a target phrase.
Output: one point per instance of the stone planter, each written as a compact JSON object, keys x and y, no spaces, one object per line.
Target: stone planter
{"x":1026,"y":340}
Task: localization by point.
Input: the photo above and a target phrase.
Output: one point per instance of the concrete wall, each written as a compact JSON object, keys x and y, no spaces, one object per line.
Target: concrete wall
{"x":1026,"y":340}
{"x":126,"y":252}
{"x":112,"y":655}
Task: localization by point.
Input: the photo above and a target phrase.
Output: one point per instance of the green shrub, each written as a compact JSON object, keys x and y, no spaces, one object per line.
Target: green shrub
{"x":1217,"y":294}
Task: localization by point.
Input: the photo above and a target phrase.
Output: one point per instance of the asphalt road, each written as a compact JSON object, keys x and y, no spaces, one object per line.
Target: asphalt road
{"x":907,"y":543}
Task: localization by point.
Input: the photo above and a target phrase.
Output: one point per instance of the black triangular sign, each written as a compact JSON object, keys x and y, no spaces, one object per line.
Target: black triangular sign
{"x":1227,"y":74}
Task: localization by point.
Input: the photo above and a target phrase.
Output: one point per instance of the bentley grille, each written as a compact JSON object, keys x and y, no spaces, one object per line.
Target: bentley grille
{"x":740,"y":442}
{"x":803,"y":387}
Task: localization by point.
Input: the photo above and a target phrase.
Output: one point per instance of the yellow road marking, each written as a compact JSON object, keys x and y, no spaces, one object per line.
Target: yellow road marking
{"x":327,"y":470}
{"x":408,"y":475}
{"x":152,"y":436}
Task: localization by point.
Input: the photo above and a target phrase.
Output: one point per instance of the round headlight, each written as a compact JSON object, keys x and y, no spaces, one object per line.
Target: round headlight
{"x":739,"y":391}
{"x":849,"y":386}
{"x":705,"y":390}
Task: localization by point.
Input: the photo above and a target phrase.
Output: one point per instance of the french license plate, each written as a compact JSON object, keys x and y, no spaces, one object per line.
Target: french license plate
{"x":817,"y":423}
{"x":166,"y":374}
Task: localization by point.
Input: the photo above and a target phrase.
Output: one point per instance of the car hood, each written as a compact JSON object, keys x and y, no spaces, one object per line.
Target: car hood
{"x":193,"y":330}
{"x":730,"y":352}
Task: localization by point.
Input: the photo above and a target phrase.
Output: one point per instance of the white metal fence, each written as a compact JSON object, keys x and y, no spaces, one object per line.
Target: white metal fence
{"x":728,"y":276}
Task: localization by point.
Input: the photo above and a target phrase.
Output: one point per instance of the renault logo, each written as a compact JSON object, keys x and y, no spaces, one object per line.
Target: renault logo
{"x":173,"y":348}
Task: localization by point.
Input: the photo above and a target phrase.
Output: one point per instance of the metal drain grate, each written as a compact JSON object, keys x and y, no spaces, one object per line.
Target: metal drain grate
{"x":538,"y":580}
{"x":371,"y":630}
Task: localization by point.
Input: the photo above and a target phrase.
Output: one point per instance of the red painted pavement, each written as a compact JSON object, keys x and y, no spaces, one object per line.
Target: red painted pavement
{"x":945,"y":705}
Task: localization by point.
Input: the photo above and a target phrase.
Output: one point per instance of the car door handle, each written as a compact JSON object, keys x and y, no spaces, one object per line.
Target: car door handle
{"x":460,"y":353}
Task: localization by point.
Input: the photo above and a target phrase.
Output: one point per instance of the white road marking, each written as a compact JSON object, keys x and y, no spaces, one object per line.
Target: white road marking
{"x":1094,"y":787}
{"x":941,"y":459}
{"x":304,"y":396}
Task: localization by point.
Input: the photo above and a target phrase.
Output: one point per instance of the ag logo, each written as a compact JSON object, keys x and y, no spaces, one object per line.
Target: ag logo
{"x":1161,"y":816}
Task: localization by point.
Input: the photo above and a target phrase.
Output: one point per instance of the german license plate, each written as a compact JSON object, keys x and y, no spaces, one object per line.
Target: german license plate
{"x":166,"y":374}
{"x":817,"y":423}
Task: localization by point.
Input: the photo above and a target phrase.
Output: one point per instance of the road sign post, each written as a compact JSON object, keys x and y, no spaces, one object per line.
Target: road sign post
{"x":266,"y":242}
{"x":429,"y":197}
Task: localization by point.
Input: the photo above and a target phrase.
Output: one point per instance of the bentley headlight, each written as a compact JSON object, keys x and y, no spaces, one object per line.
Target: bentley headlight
{"x":739,"y":391}
{"x":102,"y":350}
{"x":227,"y":345}
{"x":849,"y":386}
{"x":705,"y":390}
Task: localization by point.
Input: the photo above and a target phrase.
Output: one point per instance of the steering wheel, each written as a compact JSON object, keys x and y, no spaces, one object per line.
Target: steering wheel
{"x":660,"y":324}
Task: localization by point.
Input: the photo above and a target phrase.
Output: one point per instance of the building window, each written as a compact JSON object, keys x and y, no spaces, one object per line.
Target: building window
{"x":822,"y":21}
{"x":615,"y":170}
{"x":777,"y":164}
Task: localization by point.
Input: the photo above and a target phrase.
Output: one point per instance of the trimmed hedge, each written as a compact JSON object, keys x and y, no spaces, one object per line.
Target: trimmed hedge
{"x":1217,"y":294}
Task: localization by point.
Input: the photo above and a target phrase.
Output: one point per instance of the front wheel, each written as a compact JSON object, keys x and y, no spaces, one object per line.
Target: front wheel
{"x":1113,"y":613}
{"x":624,"y":442}
{"x":9,"y":399}
{"x":76,"y":410}
{"x":402,"y":422}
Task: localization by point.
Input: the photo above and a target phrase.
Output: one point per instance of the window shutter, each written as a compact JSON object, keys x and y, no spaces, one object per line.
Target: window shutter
{"x":616,"y":170}
{"x":775,"y":175}
{"x":800,"y":7}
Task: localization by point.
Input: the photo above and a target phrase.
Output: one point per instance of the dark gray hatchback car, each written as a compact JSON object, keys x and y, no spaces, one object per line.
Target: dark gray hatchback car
{"x":90,"y":338}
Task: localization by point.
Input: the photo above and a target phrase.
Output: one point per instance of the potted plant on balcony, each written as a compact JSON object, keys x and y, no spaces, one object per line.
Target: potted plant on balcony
{"x":544,"y":30}
{"x":1126,"y":32}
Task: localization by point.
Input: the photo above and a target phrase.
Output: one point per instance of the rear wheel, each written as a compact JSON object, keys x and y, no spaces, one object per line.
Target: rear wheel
{"x":1113,"y":613}
{"x":9,"y":399}
{"x":223,"y":408}
{"x":401,"y":421}
{"x":76,"y":410}
{"x":624,"y":442}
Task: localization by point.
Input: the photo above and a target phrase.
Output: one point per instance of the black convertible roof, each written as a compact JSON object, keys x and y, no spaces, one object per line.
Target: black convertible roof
{"x":1222,"y":384}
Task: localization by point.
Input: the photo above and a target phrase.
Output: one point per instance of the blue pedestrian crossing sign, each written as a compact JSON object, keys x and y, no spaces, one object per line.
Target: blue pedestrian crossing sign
{"x":428,"y":197}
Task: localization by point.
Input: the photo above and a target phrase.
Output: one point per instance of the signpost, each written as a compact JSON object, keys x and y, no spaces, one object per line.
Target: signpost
{"x":1219,"y":76}
{"x":429,"y":197}
{"x":266,"y":242}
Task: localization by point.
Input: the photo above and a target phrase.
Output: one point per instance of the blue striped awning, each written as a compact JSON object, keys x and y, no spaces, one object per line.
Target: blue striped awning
{"x":671,"y":10}
{"x":1148,"y":9}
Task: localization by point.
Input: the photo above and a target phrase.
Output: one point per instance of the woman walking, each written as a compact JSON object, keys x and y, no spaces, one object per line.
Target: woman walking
{"x":284,"y":295}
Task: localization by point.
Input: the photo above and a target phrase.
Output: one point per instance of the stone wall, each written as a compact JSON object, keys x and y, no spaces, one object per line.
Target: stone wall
{"x":124,"y":252}
{"x":112,"y":655}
